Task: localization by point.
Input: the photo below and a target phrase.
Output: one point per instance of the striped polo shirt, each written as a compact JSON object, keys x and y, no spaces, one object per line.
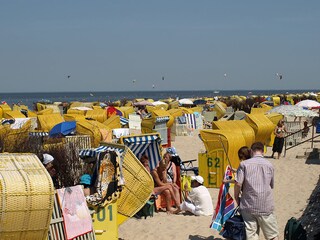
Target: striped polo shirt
{"x":256,"y":175}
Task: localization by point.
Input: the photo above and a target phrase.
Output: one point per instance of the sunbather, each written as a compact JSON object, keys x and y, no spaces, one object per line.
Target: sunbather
{"x":170,"y":192}
{"x":171,"y":171}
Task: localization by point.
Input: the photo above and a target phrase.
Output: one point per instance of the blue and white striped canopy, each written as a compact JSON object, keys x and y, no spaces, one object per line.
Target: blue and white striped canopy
{"x":145,"y":145}
{"x":162,"y":119}
{"x":191,"y":120}
{"x":95,"y":151}
{"x":38,"y":134}
{"x":123,"y":120}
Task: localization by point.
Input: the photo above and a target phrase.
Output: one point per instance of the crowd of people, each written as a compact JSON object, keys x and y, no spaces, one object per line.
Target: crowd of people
{"x":253,"y":186}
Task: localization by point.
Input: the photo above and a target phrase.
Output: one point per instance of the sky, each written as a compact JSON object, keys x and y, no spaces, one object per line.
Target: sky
{"x":146,"y":45}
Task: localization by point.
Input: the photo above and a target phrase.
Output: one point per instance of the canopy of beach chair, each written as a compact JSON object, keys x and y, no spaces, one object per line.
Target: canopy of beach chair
{"x":148,"y":144}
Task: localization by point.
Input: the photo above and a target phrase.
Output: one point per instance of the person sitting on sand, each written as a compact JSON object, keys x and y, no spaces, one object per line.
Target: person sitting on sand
{"x":198,"y":200}
{"x":244,"y":153}
{"x":169,"y":191}
{"x":85,"y":181}
{"x":171,"y":171}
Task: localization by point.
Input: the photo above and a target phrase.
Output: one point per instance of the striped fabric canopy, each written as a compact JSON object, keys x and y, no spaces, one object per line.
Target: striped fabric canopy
{"x":38,"y":134}
{"x":123,"y":121}
{"x":162,"y":119}
{"x":145,"y":145}
{"x":191,"y":120}
{"x":94,"y":152}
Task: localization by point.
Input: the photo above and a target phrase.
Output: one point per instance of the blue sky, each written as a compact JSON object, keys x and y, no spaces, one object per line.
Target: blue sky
{"x":194,"y":45}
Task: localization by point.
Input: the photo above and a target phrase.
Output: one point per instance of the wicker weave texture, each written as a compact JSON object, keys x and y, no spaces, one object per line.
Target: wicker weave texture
{"x":138,"y":185}
{"x":26,"y":197}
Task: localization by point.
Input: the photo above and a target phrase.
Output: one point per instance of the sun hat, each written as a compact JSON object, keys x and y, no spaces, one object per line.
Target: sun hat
{"x":47,"y":158}
{"x":198,"y":178}
{"x":172,"y":151}
{"x":85,"y":179}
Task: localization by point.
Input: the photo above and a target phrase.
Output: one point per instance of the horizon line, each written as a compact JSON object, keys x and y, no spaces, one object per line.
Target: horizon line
{"x":221,"y":90}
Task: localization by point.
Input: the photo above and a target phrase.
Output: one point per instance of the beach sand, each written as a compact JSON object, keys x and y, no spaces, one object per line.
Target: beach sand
{"x":296,"y":194}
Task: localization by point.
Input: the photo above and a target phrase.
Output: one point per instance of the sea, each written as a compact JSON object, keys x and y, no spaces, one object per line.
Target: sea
{"x":32,"y":97}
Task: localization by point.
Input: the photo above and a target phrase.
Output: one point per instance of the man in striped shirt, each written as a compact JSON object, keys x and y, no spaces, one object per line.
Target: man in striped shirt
{"x":255,"y":181}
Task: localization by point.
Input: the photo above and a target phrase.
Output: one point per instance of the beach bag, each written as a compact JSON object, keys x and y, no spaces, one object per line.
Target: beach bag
{"x":294,"y":230}
{"x":147,"y":210}
{"x":234,"y":227}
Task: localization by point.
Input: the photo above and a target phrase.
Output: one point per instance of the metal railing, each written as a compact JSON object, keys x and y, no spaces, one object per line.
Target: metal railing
{"x":296,"y":136}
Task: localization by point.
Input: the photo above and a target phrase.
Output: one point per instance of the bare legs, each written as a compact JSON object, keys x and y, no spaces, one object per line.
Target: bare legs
{"x":170,"y":193}
{"x":279,"y":154}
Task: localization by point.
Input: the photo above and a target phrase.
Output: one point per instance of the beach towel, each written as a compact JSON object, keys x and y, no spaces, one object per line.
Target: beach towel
{"x":75,"y":212}
{"x":225,"y":204}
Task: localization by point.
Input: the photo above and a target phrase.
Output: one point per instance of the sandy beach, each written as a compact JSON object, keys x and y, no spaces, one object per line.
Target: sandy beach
{"x":296,"y":193}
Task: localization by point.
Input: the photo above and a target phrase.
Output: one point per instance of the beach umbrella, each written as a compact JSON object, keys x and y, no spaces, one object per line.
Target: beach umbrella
{"x":308,"y":104}
{"x":199,"y":102}
{"x":185,"y":101}
{"x":82,"y":108}
{"x":159,"y":103}
{"x":143,"y":103}
{"x":63,"y":129}
{"x":293,"y":111}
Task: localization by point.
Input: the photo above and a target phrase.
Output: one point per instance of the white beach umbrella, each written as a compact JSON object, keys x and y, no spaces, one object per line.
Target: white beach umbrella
{"x":159,"y":103}
{"x":143,"y":103}
{"x":308,"y":104}
{"x":293,"y":111}
{"x":185,"y":101}
{"x":82,"y":108}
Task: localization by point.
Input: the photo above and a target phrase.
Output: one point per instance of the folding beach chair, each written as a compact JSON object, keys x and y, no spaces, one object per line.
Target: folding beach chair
{"x":187,"y":166}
